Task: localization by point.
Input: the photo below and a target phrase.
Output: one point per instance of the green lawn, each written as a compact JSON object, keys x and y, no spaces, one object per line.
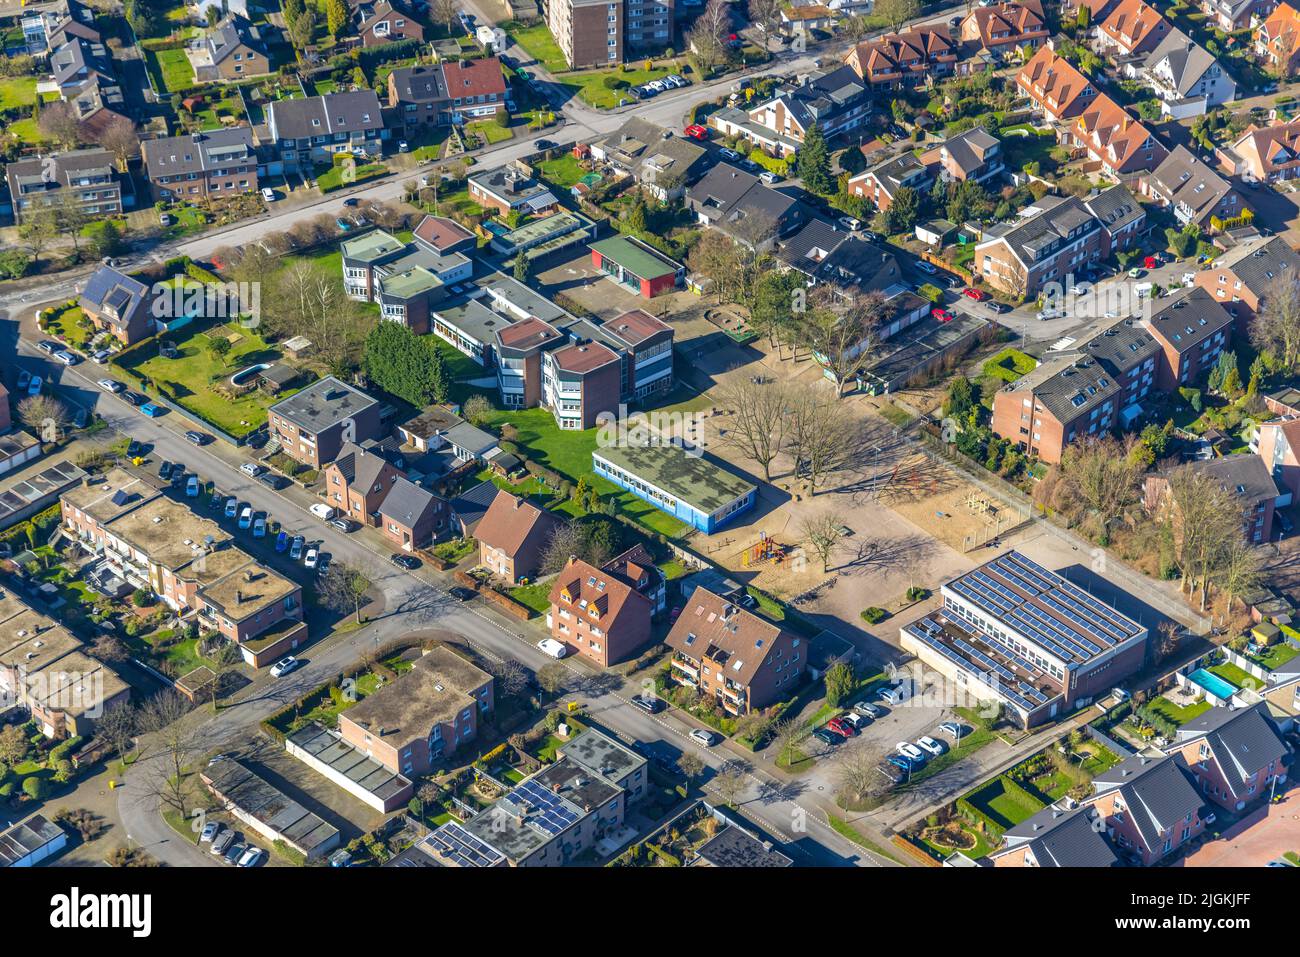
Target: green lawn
{"x":1167,"y":709}
{"x":591,"y":86}
{"x":170,"y":69}
{"x":66,"y":324}
{"x":563,"y":171}
{"x":190,"y":376}
{"x":1003,"y":806}
{"x":540,"y":45}
{"x":455,"y":549}
{"x":1237,"y":676}
{"x":333,"y":178}
{"x":535,"y":596}
{"x":17,"y":92}
{"x":569,"y":454}
{"x":1010,"y":364}
{"x":491,"y":131}
{"x":1276,"y":656}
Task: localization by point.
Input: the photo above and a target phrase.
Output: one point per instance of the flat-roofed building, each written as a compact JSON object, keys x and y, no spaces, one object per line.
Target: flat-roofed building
{"x":1014,"y":632}
{"x":426,"y":714}
{"x":312,"y":425}
{"x":687,"y":486}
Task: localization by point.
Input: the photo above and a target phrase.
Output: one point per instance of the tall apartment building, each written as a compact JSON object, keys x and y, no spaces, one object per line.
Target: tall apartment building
{"x":597,"y":32}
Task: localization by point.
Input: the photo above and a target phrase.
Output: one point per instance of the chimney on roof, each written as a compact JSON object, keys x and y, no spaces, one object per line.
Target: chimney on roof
{"x":239,"y":596}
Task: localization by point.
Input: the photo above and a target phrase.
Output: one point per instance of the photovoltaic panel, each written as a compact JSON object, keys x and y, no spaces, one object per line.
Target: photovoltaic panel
{"x":459,"y":845}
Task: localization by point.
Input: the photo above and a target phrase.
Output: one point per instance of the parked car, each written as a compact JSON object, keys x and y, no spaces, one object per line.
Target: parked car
{"x":282,"y":541}
{"x":768,"y":177}
{"x":929,"y":744}
{"x":67,"y":358}
{"x":650,"y":704}
{"x":111,"y":385}
{"x":232,"y":507}
{"x":151,"y":410}
{"x":134,"y":398}
{"x":1137,"y":272}
{"x":545,"y":144}
{"x":273,"y":481}
{"x":460,"y":593}
{"x":927,"y":268}
{"x":178,"y":475}
{"x":827,"y":737}
{"x":892,"y":771}
{"x":911,"y":752}
{"x":849,"y":223}
{"x":322,"y":511}
{"x":34,"y":385}
{"x":902,"y":762}
{"x":295,"y":547}
{"x":221,"y":843}
{"x":259,"y":526}
{"x":211,"y":831}
{"x":697,"y":132}
{"x":100,"y":357}
{"x":192,"y":487}
{"x":246,"y":517}
{"x":409,"y":562}
{"x":235,"y":852}
{"x":268,"y":194}
{"x":859,"y":721}
{"x":343,"y":524}
{"x":704,"y":737}
{"x":284,"y":666}
{"x":252,"y":468}
{"x":24,"y":379}
{"x":952,"y":729}
{"x":943,"y":315}
{"x":350,"y":201}
{"x":252,"y":856}
{"x":312,"y":557}
{"x":165,"y":470}
{"x":197,"y":437}
{"x":728,"y":154}
{"x":48,"y":347}
{"x":843,"y":728}
{"x":995,"y":307}
{"x":979,"y":295}
{"x":403,"y":146}
{"x":550,"y":646}
{"x":896,"y":694}
{"x":868,"y":710}
{"x":134,"y":449}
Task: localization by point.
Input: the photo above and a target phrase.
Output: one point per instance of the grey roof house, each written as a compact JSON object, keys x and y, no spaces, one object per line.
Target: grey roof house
{"x":736,"y":203}
{"x":115,"y":302}
{"x":89,"y":174}
{"x":311,"y":130}
{"x":1192,"y":188}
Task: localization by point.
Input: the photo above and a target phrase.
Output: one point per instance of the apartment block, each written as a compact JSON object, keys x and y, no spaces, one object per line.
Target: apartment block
{"x":598,"y":614}
{"x":312,"y":426}
{"x":213,"y":165}
{"x":88,"y":176}
{"x":591,"y":32}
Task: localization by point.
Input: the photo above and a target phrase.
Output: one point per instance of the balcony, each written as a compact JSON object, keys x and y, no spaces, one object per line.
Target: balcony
{"x":687,"y":667}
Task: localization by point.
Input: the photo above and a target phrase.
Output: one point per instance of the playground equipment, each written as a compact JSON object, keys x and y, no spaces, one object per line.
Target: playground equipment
{"x":766,"y":550}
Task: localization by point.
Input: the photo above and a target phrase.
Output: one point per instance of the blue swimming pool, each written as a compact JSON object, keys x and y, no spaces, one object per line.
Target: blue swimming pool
{"x":1213,"y":684}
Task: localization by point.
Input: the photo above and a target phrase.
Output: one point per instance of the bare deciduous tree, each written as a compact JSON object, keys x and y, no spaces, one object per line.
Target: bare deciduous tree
{"x":1102,"y":476}
{"x":844,"y":334}
{"x":551,"y":677}
{"x":706,"y":38}
{"x":58,"y":122}
{"x":44,"y":415}
{"x":343,"y":589}
{"x":823,"y":438}
{"x":120,"y":139}
{"x":766,"y":15}
{"x":565,"y":543}
{"x":1276,"y":326}
{"x":756,"y":420}
{"x":730,"y":783}
{"x":177,"y":745}
{"x":118,"y":726}
{"x":857,"y":774}
{"x":511,"y":677}
{"x":821,"y":533}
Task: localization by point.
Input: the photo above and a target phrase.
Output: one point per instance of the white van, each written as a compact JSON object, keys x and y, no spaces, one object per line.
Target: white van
{"x":322,"y":511}
{"x":552,"y":647}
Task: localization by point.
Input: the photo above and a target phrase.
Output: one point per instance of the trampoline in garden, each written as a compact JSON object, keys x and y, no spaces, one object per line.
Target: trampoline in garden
{"x":591,"y":179}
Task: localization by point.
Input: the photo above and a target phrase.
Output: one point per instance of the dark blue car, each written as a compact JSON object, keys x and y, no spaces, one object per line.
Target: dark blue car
{"x":281,"y":542}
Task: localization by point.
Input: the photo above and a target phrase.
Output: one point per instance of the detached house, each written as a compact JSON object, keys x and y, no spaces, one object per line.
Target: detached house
{"x":1186,"y":77}
{"x":880,"y":183}
{"x":1149,"y":805}
{"x":741,"y":661}
{"x":1264,"y":154}
{"x":1195,"y":192}
{"x":598,"y":614}
{"x":1133,"y":27}
{"x":512,"y":536}
{"x":1278,"y":40}
{"x":508,"y":188}
{"x":736,"y":203}
{"x":1236,"y":755}
{"x":384,"y":22}
{"x":973,"y":155}
{"x":232,"y":50}
{"x":116,"y":303}
{"x":1002,"y":28}
{"x":358,"y":481}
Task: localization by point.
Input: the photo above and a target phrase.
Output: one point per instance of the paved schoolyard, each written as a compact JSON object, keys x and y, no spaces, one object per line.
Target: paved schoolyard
{"x":1262,"y":837}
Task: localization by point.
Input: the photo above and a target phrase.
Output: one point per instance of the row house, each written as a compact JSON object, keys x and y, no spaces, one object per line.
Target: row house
{"x":1132,"y":28}
{"x":1055,"y":86}
{"x":79,"y":61}
{"x":1232,"y":15}
{"x":412,"y":517}
{"x":1056,"y":837}
{"x":1150,"y":806}
{"x":203,"y":166}
{"x":1056,"y":237}
{"x":309,"y":131}
{"x":898,"y":60}
{"x":737,"y":204}
{"x":1236,"y":755}
{"x":451,"y":92}
{"x":358,"y":481}
{"x":1000,"y":29}
{"x":86,"y":177}
{"x":729,"y":655}
{"x":52,"y":26}
{"x":835,"y":101}
{"x":1192,"y":329}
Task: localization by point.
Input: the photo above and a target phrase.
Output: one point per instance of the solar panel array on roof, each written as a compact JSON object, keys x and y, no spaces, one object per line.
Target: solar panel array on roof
{"x":1007,"y":691}
{"x":457,"y":844}
{"x":47,"y":482}
{"x":552,"y":812}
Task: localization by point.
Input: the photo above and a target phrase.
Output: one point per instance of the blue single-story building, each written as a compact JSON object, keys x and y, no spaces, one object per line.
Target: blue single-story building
{"x":679,"y":482}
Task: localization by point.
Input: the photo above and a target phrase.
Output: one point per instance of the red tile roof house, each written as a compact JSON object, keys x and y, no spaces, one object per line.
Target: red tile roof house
{"x":1132,"y":27}
{"x":1263,"y":154}
{"x":412,"y":517}
{"x":1006,"y":27}
{"x":1235,"y":755}
{"x":902,"y":59}
{"x":598,"y":614}
{"x":477,"y":88}
{"x":743,"y":662}
{"x":382,"y":22}
{"x":426,"y":714}
{"x":1150,"y":806}
{"x":512,"y":535}
{"x":637,"y":567}
{"x":357,"y":482}
{"x":1278,"y":40}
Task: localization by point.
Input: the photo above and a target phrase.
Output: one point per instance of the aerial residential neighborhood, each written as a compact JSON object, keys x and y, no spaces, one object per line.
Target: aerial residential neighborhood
{"x":616,"y":435}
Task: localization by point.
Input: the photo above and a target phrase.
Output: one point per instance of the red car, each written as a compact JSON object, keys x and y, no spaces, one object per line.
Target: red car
{"x":943,"y":315}
{"x":977,"y":294}
{"x":697,"y":132}
{"x":1151,"y":262}
{"x":841,"y":727}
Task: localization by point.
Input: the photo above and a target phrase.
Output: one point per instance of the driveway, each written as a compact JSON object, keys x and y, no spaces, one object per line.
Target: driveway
{"x":1255,"y":840}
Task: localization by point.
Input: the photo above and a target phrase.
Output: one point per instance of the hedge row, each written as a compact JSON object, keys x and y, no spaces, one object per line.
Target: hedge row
{"x":976,"y":816}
